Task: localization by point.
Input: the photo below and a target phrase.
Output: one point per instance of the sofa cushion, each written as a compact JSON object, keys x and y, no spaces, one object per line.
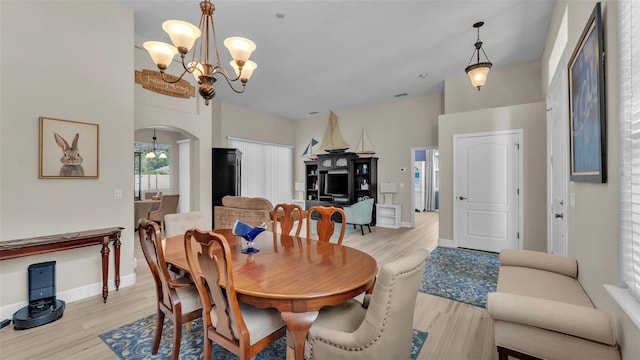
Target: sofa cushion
{"x":251,"y":203}
{"x":541,"y":284}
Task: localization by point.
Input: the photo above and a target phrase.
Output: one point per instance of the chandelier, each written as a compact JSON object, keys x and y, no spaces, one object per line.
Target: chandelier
{"x":478,"y":72}
{"x":184,"y":35}
{"x":152,"y":152}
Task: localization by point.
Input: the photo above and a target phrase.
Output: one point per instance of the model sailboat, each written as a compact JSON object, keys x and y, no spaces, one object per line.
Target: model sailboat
{"x":308,"y":151}
{"x":364,"y":146}
{"x":333,"y":141}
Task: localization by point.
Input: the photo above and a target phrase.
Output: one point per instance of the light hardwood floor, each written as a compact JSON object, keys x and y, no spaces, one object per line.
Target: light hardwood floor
{"x":456,"y":330}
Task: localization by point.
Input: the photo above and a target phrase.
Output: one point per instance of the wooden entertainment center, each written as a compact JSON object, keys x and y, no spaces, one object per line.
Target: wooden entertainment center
{"x":341,"y":179}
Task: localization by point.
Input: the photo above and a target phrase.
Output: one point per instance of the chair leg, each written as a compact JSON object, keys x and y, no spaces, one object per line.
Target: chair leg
{"x":159,"y":324}
{"x":369,"y":227}
{"x":177,"y":337}
{"x":362,"y":230}
{"x":208,"y":347}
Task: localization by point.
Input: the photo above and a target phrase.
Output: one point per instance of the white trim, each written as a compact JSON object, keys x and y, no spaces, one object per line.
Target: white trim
{"x":258,"y":142}
{"x":75,"y":294}
{"x":446,"y":243}
{"x":627,"y":302}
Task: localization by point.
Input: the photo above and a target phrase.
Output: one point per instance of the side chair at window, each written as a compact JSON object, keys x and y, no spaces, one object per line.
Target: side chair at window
{"x":241,"y":328}
{"x":168,"y":205}
{"x":177,"y":296}
{"x":325,"y":224}
{"x":286,"y":215}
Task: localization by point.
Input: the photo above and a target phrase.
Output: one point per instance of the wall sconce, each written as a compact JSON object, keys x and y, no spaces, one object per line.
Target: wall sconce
{"x":388,"y":189}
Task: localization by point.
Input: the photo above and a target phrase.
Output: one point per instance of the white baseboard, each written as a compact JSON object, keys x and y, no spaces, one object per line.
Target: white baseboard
{"x":71,"y":295}
{"x":446,"y":243}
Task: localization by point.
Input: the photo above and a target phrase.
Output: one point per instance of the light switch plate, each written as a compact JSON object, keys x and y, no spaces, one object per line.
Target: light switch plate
{"x":117,"y":194}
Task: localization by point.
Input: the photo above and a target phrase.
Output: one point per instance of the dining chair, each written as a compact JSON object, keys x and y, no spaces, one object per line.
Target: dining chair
{"x":360,"y":213}
{"x":177,"y":296}
{"x":381,"y":327}
{"x":168,"y":205}
{"x":241,"y":328}
{"x":325,"y":224}
{"x":151,"y":194}
{"x":287,"y":215}
{"x":179,"y":223}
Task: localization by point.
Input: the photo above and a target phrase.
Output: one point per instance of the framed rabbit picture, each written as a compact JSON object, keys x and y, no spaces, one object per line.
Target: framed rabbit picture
{"x":68,"y":149}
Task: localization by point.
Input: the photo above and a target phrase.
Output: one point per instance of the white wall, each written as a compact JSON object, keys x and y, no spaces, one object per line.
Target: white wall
{"x":47,"y":71}
{"x":593,"y":224}
{"x":191,"y":117}
{"x":393,"y":127}
{"x":531,"y":119}
{"x":508,"y":85}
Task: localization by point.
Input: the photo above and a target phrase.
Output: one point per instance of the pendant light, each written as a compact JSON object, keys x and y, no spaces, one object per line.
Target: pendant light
{"x":479,"y":71}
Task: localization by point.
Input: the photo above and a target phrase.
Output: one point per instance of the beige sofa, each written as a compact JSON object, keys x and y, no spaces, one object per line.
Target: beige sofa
{"x":253,"y":211}
{"x":541,"y":310}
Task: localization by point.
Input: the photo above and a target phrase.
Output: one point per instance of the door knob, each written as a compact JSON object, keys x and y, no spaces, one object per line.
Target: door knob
{"x":560,"y":216}
{"x":461,"y":197}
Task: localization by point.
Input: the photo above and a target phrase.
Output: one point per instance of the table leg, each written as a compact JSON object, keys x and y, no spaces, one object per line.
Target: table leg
{"x":105,"y":268}
{"x":116,"y":248}
{"x":298,"y":325}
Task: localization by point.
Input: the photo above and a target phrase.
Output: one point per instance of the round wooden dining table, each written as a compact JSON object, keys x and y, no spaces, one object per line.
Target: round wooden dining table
{"x":295,"y":275}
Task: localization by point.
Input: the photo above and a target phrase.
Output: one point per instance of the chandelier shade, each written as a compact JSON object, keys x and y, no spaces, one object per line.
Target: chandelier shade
{"x":479,"y":71}
{"x":202,"y":40}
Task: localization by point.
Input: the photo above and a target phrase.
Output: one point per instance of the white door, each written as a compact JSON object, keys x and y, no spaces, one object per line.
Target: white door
{"x":557,"y":149}
{"x":486,"y":189}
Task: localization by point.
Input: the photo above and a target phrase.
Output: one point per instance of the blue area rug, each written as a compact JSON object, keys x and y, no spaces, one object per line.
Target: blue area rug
{"x":134,"y":341}
{"x":461,"y":275}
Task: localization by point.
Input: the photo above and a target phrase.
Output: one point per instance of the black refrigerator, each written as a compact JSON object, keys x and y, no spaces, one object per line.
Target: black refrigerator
{"x":225,"y":177}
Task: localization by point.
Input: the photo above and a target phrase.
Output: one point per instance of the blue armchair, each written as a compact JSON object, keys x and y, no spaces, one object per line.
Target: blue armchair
{"x":360,"y":213}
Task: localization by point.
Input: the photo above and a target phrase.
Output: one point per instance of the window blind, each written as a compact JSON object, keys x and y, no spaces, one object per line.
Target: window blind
{"x":267,"y":170}
{"x":629,"y":25}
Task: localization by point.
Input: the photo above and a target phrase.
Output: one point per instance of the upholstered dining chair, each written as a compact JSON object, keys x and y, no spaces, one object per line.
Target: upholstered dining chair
{"x":360,"y":213}
{"x":325,"y":225}
{"x":287,"y":215}
{"x":151,"y":194}
{"x":168,"y":205}
{"x":379,"y":328}
{"x":177,"y":297}
{"x":241,"y":328}
{"x":179,"y":223}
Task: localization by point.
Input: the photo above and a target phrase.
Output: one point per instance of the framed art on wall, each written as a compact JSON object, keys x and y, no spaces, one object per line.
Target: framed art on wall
{"x":587,"y":105}
{"x":68,"y":149}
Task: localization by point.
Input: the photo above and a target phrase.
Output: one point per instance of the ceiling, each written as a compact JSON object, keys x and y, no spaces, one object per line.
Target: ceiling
{"x":331,"y":55}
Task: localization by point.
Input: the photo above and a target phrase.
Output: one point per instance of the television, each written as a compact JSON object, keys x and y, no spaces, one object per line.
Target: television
{"x":337,"y":184}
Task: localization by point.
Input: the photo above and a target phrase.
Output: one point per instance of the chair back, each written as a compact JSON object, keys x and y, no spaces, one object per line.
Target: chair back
{"x":151,"y":243}
{"x":287,"y":215}
{"x":325,"y":225}
{"x":150,"y":194}
{"x":391,"y":309}
{"x":213,"y":261}
{"x":168,"y":205}
{"x":179,"y":223}
{"x":360,"y":213}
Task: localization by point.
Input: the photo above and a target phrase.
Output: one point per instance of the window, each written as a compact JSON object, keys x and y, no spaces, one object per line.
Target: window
{"x":154,"y":174}
{"x":629,"y":13}
{"x":267,"y":170}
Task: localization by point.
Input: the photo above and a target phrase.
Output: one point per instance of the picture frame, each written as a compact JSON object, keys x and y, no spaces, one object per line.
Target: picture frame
{"x":68,"y":149}
{"x":588,"y":156}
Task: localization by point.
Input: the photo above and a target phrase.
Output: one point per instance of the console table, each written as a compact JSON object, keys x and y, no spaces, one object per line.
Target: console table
{"x":45,"y":244}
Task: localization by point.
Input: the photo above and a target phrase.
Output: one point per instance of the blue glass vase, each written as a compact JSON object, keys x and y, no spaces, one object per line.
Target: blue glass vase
{"x":248,"y":233}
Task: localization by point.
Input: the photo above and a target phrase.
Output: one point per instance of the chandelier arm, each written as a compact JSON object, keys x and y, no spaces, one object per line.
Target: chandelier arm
{"x":229,"y":80}
{"x":472,"y":55}
{"x":215,"y":40}
{"x":162,"y":73}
